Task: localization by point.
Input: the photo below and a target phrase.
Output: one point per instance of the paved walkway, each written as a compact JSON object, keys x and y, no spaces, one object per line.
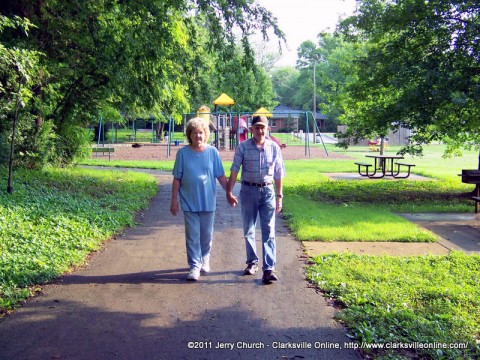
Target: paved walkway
{"x":131,"y":301}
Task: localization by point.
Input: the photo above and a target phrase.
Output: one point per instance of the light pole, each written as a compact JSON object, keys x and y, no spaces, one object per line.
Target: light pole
{"x":315,"y":58}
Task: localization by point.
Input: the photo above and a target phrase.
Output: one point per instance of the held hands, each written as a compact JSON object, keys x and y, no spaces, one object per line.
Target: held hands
{"x":232,"y":199}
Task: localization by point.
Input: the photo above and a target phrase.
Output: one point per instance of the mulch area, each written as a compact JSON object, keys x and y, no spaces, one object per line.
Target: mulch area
{"x":157,"y":152}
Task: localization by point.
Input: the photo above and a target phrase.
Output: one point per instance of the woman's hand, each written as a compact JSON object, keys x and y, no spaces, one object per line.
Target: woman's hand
{"x":174,"y":208}
{"x":232,"y":199}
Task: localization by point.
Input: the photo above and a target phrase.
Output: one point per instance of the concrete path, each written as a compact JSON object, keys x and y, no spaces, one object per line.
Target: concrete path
{"x":131,"y":301}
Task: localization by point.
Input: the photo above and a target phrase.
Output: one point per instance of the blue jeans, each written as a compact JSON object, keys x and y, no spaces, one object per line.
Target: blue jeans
{"x":198,"y":235}
{"x":259,"y":201}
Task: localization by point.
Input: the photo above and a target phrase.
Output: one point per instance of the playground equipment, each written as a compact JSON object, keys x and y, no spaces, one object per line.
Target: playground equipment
{"x":204,"y":113}
{"x":378,"y":144}
{"x":229,"y":129}
{"x":220,"y":125}
{"x":224,"y":121}
{"x":240,"y":127}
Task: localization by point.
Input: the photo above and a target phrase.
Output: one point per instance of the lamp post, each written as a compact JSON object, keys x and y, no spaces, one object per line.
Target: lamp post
{"x":315,"y":58}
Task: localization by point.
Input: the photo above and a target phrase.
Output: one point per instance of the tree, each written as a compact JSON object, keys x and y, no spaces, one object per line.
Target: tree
{"x":265,"y":57}
{"x":421,"y":71}
{"x":286,"y":85}
{"x":18,"y":68}
{"x":333,"y":58}
{"x":336,"y":70}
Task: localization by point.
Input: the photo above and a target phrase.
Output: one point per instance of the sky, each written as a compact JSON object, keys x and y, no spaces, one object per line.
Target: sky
{"x":303,"y":20}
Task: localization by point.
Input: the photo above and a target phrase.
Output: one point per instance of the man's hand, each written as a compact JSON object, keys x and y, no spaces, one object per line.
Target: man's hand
{"x":232,"y":199}
{"x":278,"y":206}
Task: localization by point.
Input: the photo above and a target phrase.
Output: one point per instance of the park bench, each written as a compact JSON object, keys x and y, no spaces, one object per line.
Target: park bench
{"x":399,"y":165}
{"x":103,"y":151}
{"x":361,"y":166}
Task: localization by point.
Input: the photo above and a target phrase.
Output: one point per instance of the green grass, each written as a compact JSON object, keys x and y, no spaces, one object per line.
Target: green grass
{"x":352,"y":210}
{"x":321,"y":209}
{"x":386,"y":299}
{"x":55,"y":218}
{"x":132,"y":164}
{"x":409,"y":300}
{"x":318,"y":208}
{"x":314,"y":220}
{"x":154,"y":165}
{"x":141,"y":136}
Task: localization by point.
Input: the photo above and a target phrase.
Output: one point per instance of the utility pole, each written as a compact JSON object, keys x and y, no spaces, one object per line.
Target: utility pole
{"x":315,"y":58}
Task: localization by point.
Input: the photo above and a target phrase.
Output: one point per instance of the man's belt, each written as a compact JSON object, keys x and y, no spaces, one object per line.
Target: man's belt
{"x":257,"y":184}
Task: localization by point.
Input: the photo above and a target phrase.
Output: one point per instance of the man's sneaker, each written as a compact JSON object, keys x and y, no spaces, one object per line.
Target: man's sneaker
{"x":206,"y":264}
{"x":194,"y":274}
{"x":269,"y":277}
{"x":251,"y":269}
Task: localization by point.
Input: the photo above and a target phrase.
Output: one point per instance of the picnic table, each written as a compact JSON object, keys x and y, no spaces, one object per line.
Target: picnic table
{"x":384,"y":165}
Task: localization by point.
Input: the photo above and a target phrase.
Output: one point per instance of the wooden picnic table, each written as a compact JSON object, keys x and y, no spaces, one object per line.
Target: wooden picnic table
{"x":384,"y":166}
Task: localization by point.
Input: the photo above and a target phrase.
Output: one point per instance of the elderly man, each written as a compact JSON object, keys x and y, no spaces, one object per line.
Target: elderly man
{"x":261,"y":194}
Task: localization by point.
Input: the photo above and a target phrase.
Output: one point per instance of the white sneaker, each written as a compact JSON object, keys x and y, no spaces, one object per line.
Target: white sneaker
{"x":206,"y":264}
{"x":194,"y":274}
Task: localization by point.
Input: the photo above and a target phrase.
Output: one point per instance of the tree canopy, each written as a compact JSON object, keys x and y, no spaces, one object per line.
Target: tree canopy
{"x":134,"y":56}
{"x":421,"y":71}
{"x":396,"y":63}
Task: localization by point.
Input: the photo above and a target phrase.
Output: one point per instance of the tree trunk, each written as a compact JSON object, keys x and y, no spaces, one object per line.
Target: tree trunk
{"x":12,"y":145}
{"x":382,"y":145}
{"x":159,"y":130}
{"x":38,"y":93}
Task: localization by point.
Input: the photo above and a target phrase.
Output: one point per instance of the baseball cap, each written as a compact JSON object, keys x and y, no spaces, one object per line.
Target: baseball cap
{"x":260,"y":120}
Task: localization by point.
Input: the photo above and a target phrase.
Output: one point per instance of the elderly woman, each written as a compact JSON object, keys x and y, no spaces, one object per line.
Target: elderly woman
{"x":196,"y":168}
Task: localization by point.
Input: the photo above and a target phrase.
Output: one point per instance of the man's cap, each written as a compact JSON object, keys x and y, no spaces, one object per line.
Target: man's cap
{"x":260,"y":120}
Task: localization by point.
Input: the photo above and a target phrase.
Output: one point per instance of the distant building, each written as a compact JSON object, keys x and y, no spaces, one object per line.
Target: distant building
{"x":400,"y":136}
{"x":321,"y":121}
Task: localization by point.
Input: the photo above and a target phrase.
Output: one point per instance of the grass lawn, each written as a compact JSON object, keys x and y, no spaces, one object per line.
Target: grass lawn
{"x":154,"y":165}
{"x":417,"y":301}
{"x":320,"y":209}
{"x":318,"y":220}
{"x":123,"y":135}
